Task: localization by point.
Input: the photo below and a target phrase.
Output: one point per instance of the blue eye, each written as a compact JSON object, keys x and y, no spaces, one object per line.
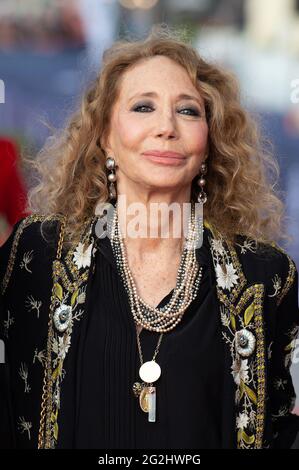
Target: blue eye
{"x":141,"y":106}
{"x":194,"y":111}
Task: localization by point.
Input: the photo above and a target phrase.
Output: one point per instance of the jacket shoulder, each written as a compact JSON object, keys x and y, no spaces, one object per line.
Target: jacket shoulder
{"x":272,"y":259}
{"x":270,"y":253}
{"x":32,"y":235}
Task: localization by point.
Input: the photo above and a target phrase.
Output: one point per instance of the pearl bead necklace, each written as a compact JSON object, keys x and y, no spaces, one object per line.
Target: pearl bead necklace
{"x":189,"y":275}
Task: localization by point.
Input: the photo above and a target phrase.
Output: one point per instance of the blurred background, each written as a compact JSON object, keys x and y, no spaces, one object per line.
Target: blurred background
{"x":51,"y":49}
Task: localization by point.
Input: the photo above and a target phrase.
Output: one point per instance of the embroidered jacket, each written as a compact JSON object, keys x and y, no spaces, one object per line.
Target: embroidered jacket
{"x":43,"y":298}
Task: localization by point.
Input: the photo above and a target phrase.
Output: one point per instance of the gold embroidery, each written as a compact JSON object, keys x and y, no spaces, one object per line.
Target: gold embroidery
{"x":64,"y":291}
{"x":289,"y":281}
{"x":45,"y":428}
{"x":68,"y":285}
{"x":249,"y":372}
{"x":236,"y":263}
{"x":257,"y":291}
{"x":12,"y":256}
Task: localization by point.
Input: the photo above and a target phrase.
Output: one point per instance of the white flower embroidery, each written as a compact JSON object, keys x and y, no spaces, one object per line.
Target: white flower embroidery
{"x":82,"y":257}
{"x":240,"y":371}
{"x":218,"y":246}
{"x":40,"y":356}
{"x":56,"y":397}
{"x":252,"y":417}
{"x":62,"y":317}
{"x":23,"y":373}
{"x":245,"y":342}
{"x":81,"y":298}
{"x":32,"y":304}
{"x":27,"y":258}
{"x":25,"y":426}
{"x":63,"y":346}
{"x":276,"y":281}
{"x":283,"y":411}
{"x":248,"y":244}
{"x":227,"y":277}
{"x":242,"y":421}
{"x":279,"y":383}
{"x":224,"y":317}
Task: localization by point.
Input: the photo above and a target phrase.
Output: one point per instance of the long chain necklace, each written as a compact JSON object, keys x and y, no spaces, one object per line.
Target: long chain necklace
{"x":162,"y":319}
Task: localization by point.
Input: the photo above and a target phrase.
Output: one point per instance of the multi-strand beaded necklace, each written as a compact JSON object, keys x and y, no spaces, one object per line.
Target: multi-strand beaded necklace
{"x":160,"y":320}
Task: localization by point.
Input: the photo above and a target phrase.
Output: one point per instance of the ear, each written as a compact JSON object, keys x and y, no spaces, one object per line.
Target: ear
{"x":105,"y":144}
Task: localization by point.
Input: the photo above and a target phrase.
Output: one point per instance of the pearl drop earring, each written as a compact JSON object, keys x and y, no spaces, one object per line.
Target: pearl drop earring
{"x":202,"y":196}
{"x":110,"y":165}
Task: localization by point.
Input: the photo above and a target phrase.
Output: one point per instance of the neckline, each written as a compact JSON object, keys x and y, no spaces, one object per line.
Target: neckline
{"x":203,"y":256}
{"x":202,"y":253}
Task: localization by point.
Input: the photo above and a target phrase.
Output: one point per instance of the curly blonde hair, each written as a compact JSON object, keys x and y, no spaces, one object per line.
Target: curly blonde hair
{"x":241,"y":176}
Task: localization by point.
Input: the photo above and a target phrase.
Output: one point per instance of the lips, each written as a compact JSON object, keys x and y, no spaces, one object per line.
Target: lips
{"x":166,"y":158}
{"x":167,"y":154}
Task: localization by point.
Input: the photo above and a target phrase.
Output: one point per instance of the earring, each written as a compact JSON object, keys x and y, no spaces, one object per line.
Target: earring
{"x":202,"y":196}
{"x":110,"y":165}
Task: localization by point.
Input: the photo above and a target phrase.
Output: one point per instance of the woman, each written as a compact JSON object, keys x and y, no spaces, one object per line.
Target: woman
{"x":150,"y":341}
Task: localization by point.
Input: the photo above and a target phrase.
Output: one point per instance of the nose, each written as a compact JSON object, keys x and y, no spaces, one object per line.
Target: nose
{"x":166,"y":125}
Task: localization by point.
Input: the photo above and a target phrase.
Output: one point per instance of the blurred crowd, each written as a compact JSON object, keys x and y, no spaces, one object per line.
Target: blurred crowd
{"x":59,"y":27}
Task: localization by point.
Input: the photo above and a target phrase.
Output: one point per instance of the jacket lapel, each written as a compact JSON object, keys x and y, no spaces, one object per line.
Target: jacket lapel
{"x":241,"y":311}
{"x":71,"y":271}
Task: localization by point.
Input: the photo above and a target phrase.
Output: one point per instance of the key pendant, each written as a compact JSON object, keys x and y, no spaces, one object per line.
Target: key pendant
{"x":151,"y":397}
{"x":147,"y":401}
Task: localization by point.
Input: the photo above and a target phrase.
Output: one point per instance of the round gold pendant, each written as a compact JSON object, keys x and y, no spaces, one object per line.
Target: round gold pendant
{"x":143,"y":399}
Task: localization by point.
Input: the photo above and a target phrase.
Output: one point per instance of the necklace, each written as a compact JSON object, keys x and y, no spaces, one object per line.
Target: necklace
{"x":149,"y":372}
{"x":162,"y":319}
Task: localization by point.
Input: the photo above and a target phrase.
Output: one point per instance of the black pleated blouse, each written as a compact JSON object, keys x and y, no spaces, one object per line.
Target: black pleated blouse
{"x":99,"y":409}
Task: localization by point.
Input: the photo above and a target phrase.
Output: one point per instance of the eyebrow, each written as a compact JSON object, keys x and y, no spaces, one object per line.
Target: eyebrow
{"x":182,"y":96}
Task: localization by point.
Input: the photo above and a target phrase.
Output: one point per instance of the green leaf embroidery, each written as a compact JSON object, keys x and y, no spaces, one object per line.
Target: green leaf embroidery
{"x":249,"y":312}
{"x":74,"y":297}
{"x":242,"y":389}
{"x":242,"y":436}
{"x":250,"y":393}
{"x":54,"y":416}
{"x":58,"y":290}
{"x":57,"y":372}
{"x":56,"y":431}
{"x":233,"y":321}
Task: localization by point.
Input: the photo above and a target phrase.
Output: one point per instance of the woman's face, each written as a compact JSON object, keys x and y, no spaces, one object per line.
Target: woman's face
{"x":163,"y":121}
